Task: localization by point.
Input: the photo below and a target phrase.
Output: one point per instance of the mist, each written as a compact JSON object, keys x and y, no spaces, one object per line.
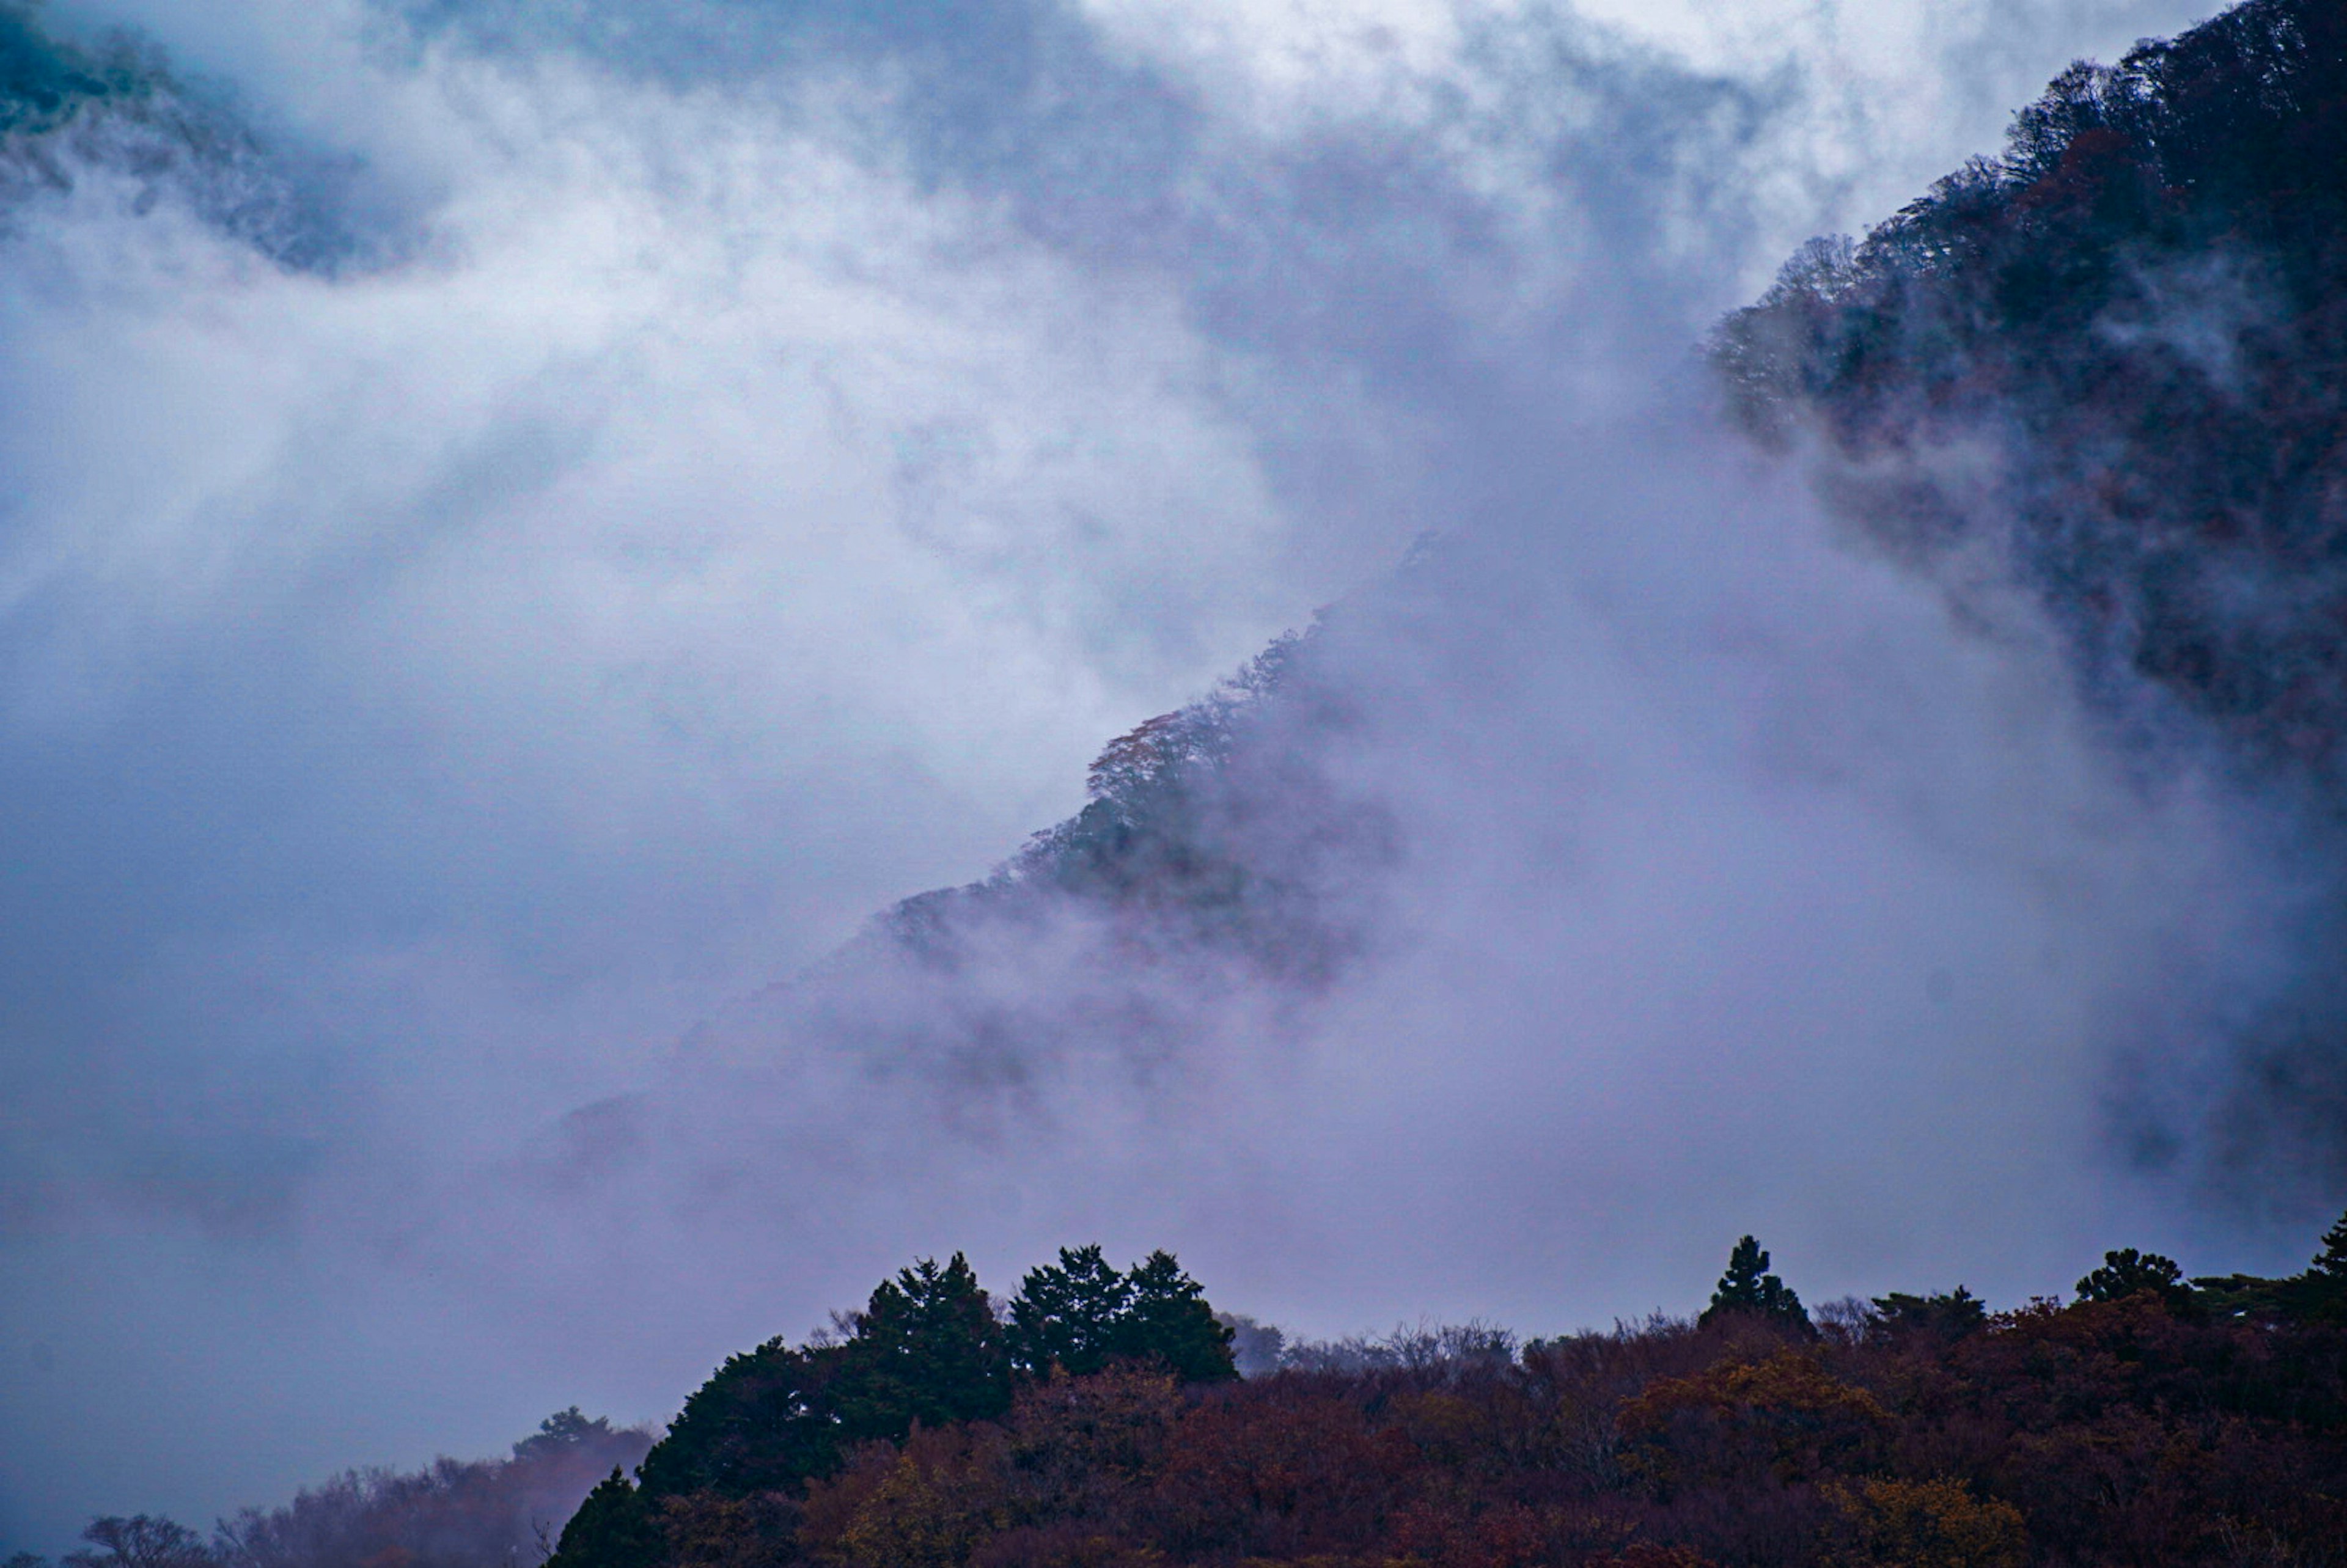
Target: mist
{"x":536,"y":546}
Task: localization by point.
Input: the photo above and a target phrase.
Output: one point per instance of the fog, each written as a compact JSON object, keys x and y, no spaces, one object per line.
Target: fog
{"x":599,"y":500}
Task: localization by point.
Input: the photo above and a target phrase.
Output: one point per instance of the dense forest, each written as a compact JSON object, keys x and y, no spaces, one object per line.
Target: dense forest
{"x":1098,"y":1419}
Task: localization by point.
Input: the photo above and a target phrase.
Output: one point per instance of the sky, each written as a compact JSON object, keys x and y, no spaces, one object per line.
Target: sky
{"x":684,"y":477}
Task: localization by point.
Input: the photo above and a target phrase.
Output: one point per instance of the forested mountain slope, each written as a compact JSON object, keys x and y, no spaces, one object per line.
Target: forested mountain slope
{"x":2107,"y":369}
{"x":2099,"y":378}
{"x":2109,"y":363}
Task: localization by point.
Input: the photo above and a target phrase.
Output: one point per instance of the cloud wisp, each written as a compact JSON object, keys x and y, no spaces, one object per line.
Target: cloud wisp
{"x":666,"y":481}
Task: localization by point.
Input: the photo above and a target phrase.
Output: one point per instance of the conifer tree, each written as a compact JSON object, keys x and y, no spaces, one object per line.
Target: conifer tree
{"x":927,"y":1348}
{"x":2128,"y":1272}
{"x":1168,"y":1320}
{"x":614,"y":1528}
{"x":1749,"y":1290}
{"x":2331,"y":1262}
{"x":1069,"y":1314}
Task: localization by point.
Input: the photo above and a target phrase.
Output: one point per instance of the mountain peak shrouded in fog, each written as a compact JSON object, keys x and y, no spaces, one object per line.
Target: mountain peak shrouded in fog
{"x":519,"y":524}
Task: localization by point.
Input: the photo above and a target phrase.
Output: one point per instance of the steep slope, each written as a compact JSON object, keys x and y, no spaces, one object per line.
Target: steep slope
{"x":2108,"y":369}
{"x":2110,"y":364}
{"x":2099,"y":378}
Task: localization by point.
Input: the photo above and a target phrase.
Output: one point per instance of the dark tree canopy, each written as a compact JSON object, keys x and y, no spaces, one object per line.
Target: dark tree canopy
{"x":1950,"y":1314}
{"x":2128,"y":1272}
{"x":1081,"y":1315}
{"x":926,"y":1353}
{"x":614,"y":1528}
{"x":1749,"y":1290}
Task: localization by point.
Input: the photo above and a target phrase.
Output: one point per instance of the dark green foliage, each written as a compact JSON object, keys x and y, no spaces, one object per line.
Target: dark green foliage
{"x":2127,"y":1272}
{"x":1168,"y":1322}
{"x":763,"y":1420}
{"x":1071,"y":1315}
{"x":563,"y":1432}
{"x":925,"y":1348}
{"x":2319,"y":1294}
{"x":1079,"y":1315}
{"x":1948,"y":1315}
{"x":927,"y":1352}
{"x":614,"y":1528}
{"x":2331,"y":1262}
{"x":1749,"y":1290}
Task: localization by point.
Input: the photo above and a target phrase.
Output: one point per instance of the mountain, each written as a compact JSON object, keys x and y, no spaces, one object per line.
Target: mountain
{"x":2107,"y":371}
{"x":2097,"y":381}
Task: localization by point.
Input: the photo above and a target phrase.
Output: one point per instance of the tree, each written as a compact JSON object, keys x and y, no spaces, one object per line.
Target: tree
{"x":614,"y":1528}
{"x":2128,"y":1272}
{"x":927,"y":1348}
{"x":562,"y":1431}
{"x":1081,"y":1315}
{"x":1949,"y":1315}
{"x":1167,"y":1319}
{"x":2331,"y":1262}
{"x":1070,"y":1314}
{"x":1747,"y":1289}
{"x":763,"y":1421}
{"x":141,"y":1541}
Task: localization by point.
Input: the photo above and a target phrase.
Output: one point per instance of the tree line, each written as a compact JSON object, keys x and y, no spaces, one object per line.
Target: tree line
{"x":1096,"y":1420}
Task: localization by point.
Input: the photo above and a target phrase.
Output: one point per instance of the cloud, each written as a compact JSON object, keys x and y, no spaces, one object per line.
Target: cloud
{"x":748,"y":461}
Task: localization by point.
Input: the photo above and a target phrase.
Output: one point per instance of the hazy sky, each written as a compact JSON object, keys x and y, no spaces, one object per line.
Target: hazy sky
{"x":743,"y":461}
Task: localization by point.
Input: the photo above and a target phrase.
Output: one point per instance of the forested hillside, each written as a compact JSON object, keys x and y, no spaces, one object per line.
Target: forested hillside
{"x":2098,"y":376}
{"x":2108,"y":371}
{"x":2098,"y":380}
{"x":1096,"y":1421}
{"x":2110,"y":361}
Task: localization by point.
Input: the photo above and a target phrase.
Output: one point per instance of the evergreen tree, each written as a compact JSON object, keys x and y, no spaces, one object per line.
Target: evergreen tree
{"x":614,"y":1528}
{"x":1949,"y":1315}
{"x":2331,"y":1262}
{"x":2128,"y":1272}
{"x":1167,"y":1319}
{"x":1747,"y":1289}
{"x":927,"y":1348}
{"x":1071,"y":1315}
{"x":763,"y":1421}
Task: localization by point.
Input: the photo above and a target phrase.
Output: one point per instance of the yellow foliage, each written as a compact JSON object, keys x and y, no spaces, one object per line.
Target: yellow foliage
{"x":1927,"y":1524}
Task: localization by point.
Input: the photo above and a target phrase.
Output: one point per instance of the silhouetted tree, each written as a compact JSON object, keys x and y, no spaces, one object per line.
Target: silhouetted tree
{"x":1749,"y":1290}
{"x":1069,"y":1314}
{"x":1949,"y":1315}
{"x":927,"y":1347}
{"x":2331,"y":1261}
{"x":614,"y":1528}
{"x":1168,"y":1320}
{"x":141,"y":1541}
{"x":2127,"y":1272}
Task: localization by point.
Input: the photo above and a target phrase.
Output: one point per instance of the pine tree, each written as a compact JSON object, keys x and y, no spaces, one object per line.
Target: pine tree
{"x":927,"y":1349}
{"x":2331,"y":1262}
{"x":1747,"y":1289}
{"x":2128,"y":1272}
